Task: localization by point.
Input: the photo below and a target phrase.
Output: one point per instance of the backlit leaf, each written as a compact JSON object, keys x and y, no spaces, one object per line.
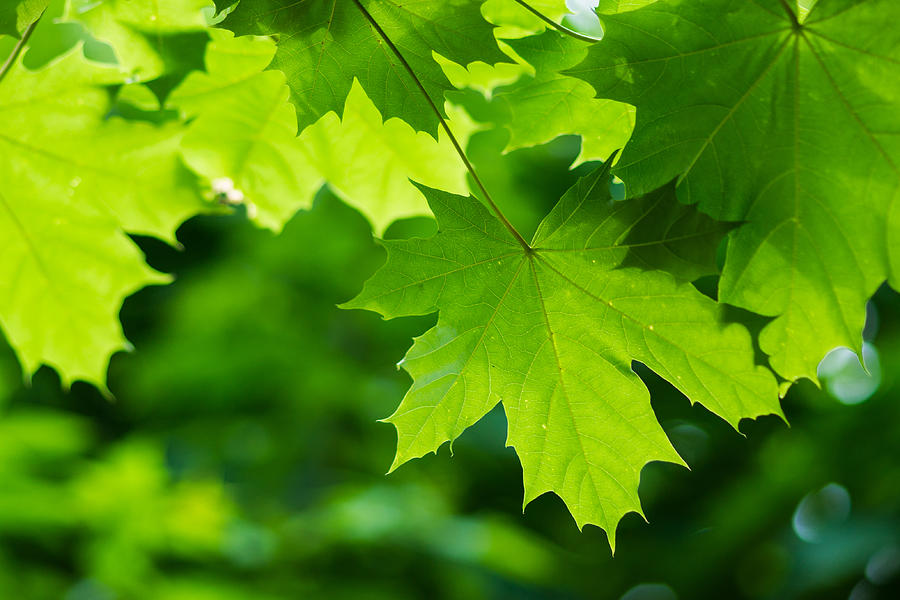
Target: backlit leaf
{"x":71,"y":184}
{"x":793,"y":127}
{"x":551,"y":333}
{"x":323,"y":45}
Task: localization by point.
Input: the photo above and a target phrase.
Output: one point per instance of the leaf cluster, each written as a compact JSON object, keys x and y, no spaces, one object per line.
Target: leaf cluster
{"x":760,"y":151}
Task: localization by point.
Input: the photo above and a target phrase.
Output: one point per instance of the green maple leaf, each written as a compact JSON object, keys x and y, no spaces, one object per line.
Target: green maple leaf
{"x":71,"y":182}
{"x":544,"y":106}
{"x":790,"y":126}
{"x":16,"y":16}
{"x":245,"y":130}
{"x":324,"y":44}
{"x":551,"y":332}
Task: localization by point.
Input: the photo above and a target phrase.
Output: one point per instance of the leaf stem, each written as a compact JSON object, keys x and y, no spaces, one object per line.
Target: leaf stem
{"x":17,"y":49}
{"x":444,"y":125}
{"x":559,"y":27}
{"x":795,"y":23}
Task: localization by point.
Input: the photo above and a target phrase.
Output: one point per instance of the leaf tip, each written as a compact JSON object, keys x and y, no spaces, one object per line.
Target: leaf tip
{"x":397,"y":462}
{"x":611,"y":539}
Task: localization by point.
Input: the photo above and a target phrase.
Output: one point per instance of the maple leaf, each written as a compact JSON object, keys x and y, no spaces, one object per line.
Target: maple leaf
{"x":71,"y":181}
{"x":551,"y":331}
{"x":324,"y":44}
{"x":245,"y":130}
{"x":789,"y":125}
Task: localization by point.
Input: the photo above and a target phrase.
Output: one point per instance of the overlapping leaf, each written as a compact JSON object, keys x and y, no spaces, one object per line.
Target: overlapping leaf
{"x":537,"y":103}
{"x":245,"y":130}
{"x":369,"y":163}
{"x":324,"y":44}
{"x":514,"y":20}
{"x":71,"y":183}
{"x":150,"y":38}
{"x":792,"y":126}
{"x":542,"y":107}
{"x":551,"y":332}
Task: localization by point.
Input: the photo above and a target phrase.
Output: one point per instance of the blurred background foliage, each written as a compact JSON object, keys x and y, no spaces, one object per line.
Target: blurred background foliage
{"x":242,"y":457}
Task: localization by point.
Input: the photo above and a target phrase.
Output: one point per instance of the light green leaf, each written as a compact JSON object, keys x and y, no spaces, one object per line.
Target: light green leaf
{"x":483,"y":77}
{"x":551,"y":333}
{"x":150,"y":37}
{"x":746,"y":106}
{"x":803,"y":8}
{"x":369,"y":163}
{"x":324,"y":44}
{"x":246,"y":129}
{"x":548,"y":104}
{"x":618,"y":6}
{"x":514,"y":20}
{"x":71,"y":183}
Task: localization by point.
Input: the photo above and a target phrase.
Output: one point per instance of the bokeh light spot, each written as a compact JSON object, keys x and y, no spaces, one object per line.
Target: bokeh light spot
{"x":845,"y":378}
{"x":650,"y":591}
{"x":884,"y":565}
{"x":820,"y":511}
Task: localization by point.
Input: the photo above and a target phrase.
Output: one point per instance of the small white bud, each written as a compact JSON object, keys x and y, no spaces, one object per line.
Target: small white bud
{"x":234,"y":196}
{"x":222,"y":185}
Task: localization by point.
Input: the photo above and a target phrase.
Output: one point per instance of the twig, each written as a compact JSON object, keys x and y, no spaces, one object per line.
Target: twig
{"x":555,"y":25}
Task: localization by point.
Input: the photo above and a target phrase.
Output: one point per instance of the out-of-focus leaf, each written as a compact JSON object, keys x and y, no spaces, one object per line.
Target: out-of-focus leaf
{"x":617,"y":6}
{"x":246,"y":128}
{"x":514,"y":20}
{"x":150,"y":38}
{"x":71,"y":183}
